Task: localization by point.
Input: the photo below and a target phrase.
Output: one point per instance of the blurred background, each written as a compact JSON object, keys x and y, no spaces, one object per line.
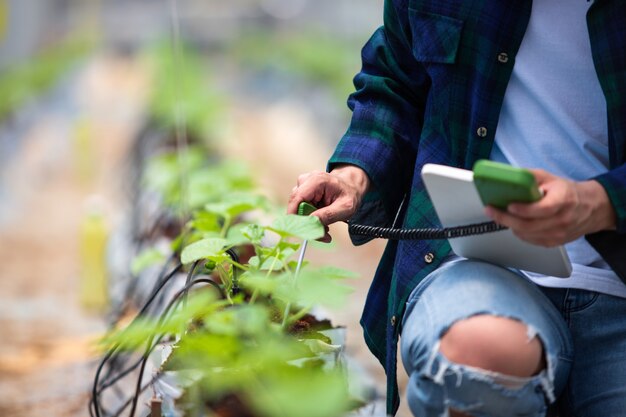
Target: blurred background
{"x":87,"y":87}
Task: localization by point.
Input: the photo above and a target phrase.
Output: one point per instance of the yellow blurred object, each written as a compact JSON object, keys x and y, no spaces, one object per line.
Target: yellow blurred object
{"x":94,"y":293}
{"x":4,"y":19}
{"x":83,"y":150}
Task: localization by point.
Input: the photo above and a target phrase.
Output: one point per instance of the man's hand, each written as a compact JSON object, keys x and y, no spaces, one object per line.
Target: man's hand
{"x":567,"y":211}
{"x":337,"y":194}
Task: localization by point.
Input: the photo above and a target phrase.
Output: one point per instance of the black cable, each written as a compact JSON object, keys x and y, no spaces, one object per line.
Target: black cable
{"x":142,"y":361}
{"x":142,"y":389}
{"x":113,"y":363}
{"x":95,"y":392}
{"x":159,"y":301}
{"x":163,"y":279}
{"x":110,"y":382}
{"x":424,"y":234}
{"x":106,"y":384}
{"x":233,"y":255}
{"x":182,"y":293}
{"x":189,"y":279}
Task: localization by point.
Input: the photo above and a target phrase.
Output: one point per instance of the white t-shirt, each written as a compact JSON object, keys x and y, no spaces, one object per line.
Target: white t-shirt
{"x":554,"y":117}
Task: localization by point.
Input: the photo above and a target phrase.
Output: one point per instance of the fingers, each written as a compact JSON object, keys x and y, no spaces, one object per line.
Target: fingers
{"x":335,"y":196}
{"x":568,"y":211}
{"x":549,"y":231}
{"x":549,"y":205}
{"x":312,"y":188}
{"x":514,"y":223}
{"x":341,"y":209}
{"x":299,"y":194}
{"x":302,"y":178}
{"x":559,"y":194}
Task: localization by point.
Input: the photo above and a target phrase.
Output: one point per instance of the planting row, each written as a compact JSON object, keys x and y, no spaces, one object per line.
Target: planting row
{"x":217,"y":316}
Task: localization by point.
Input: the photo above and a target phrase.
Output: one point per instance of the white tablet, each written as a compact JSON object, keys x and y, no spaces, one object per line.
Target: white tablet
{"x":457,"y":203}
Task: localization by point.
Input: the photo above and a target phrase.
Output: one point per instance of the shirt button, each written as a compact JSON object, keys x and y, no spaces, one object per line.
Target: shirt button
{"x":481,"y":131}
{"x":503,"y":57}
{"x":429,"y":258}
{"x":393,"y":321}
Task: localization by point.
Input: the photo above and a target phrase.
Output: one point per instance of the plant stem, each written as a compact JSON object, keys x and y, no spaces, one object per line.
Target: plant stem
{"x":227,"y":221}
{"x":298,"y":315}
{"x":269,"y":271}
{"x":286,"y":315}
{"x":254,"y":296}
{"x":224,"y":274}
{"x":240,"y":266}
{"x":295,"y":280}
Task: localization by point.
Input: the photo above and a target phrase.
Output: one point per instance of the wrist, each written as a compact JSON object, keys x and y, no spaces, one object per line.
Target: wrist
{"x":602,"y":213}
{"x":355,"y":176}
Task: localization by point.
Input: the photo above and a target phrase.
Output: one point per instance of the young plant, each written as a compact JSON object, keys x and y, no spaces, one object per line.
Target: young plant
{"x":242,"y":329}
{"x":231,"y":333}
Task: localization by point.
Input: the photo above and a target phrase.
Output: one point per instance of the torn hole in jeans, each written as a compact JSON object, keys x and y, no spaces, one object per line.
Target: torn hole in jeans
{"x":508,"y":382}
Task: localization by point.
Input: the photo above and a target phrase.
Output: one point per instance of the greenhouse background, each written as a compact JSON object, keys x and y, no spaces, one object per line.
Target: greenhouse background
{"x":90,"y":91}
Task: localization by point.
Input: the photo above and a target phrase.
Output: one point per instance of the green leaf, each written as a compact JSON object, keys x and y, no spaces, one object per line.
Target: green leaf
{"x":303,"y":227}
{"x":285,"y":254}
{"x":321,"y":347}
{"x":236,"y":236}
{"x":254,"y":232}
{"x":235,"y":204}
{"x":287,"y":247}
{"x":303,"y":392}
{"x":262,"y":283}
{"x":242,"y":320}
{"x":254,"y":262}
{"x":272,"y":263}
{"x":204,"y":351}
{"x":146,"y":259}
{"x":135,"y":336}
{"x":327,"y":292}
{"x":294,"y":264}
{"x":324,"y":246}
{"x":201,"y":190}
{"x":211,"y":248}
{"x":313,"y":288}
{"x":164,"y":172}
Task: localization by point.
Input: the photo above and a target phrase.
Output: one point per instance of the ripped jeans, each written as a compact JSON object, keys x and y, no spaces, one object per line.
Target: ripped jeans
{"x":462,"y":289}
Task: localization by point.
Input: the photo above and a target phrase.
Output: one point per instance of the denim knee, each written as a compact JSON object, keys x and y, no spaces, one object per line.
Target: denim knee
{"x":463,"y":290}
{"x":443,"y":385}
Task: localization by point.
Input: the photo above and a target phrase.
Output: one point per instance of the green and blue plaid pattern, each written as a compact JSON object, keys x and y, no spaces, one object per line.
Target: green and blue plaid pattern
{"x":430,"y":90}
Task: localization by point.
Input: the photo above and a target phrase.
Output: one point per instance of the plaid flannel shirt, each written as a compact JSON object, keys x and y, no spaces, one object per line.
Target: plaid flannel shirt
{"x":430,"y":90}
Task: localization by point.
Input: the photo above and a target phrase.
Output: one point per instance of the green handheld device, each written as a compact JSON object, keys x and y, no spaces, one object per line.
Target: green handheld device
{"x":499,"y":184}
{"x":304,"y":209}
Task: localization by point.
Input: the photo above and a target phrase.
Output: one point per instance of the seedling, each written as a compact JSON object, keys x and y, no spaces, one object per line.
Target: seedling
{"x":245,"y":329}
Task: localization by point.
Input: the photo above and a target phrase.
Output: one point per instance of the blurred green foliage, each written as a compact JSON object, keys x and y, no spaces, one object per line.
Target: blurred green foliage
{"x":33,"y":77}
{"x":182,"y":91}
{"x":207,"y":180}
{"x":260,"y":369}
{"x":317,"y":57}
